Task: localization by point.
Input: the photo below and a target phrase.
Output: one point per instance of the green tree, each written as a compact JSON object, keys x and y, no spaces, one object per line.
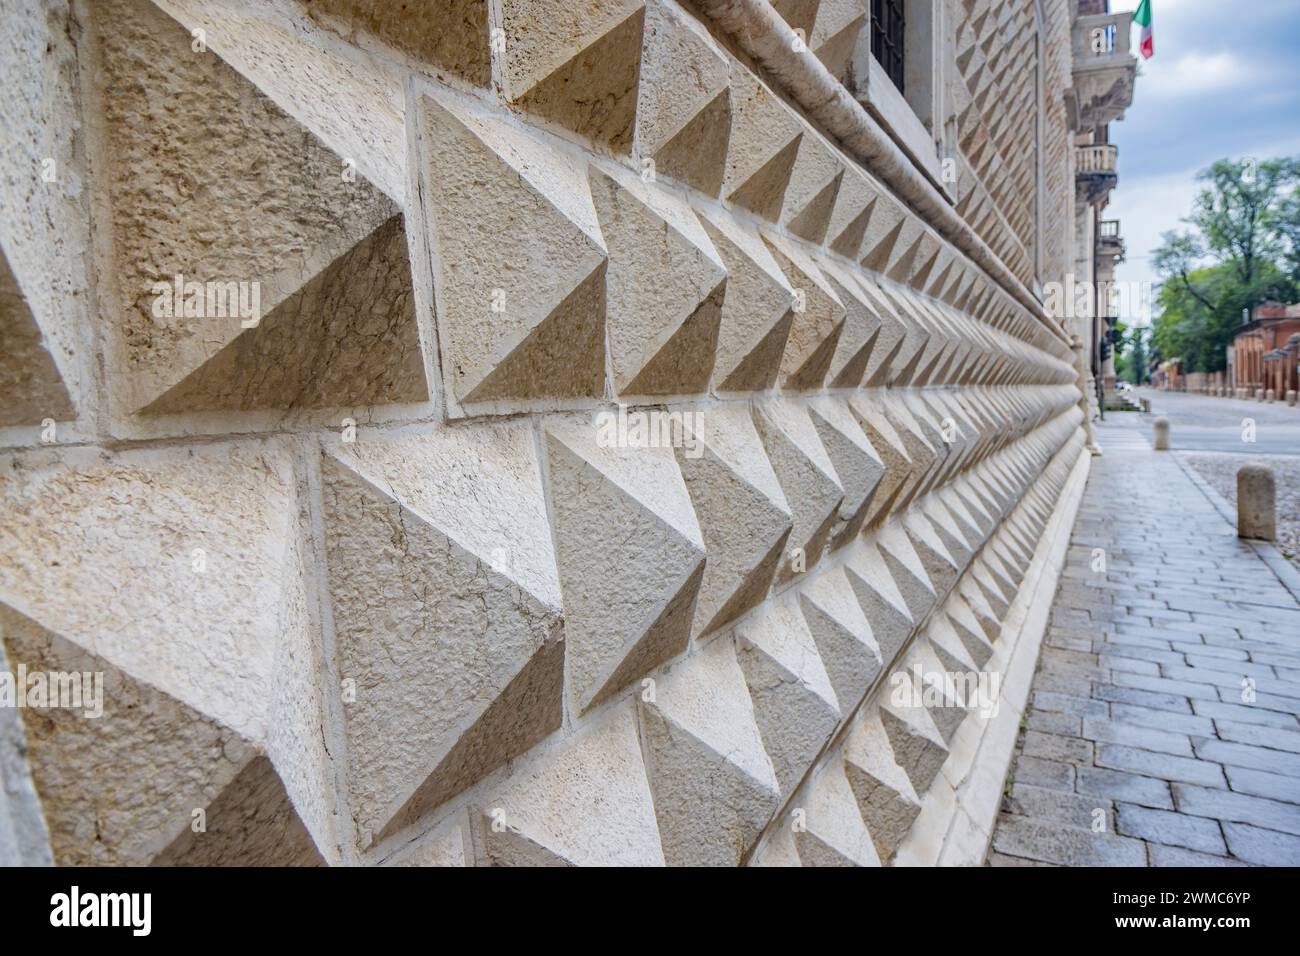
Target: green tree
{"x":1241,"y":250}
{"x":1132,"y":363}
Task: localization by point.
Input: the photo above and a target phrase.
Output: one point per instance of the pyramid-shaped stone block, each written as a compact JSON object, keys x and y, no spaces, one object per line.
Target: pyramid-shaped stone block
{"x":31,"y":386}
{"x":665,"y":285}
{"x":713,"y":784}
{"x":854,"y":205}
{"x":200,"y":743}
{"x":940,"y":566}
{"x":810,"y":196}
{"x":757,"y":308}
{"x":630,"y":556}
{"x":794,"y":702}
{"x":447,"y":614}
{"x":857,"y":465}
{"x":833,"y":832}
{"x":889,"y":445}
{"x":307,"y":304}
{"x":742,"y":511}
{"x":882,"y":603}
{"x":884,"y":794}
{"x":584,"y":803}
{"x":575,"y":64}
{"x":683,"y":121}
{"x":859,"y":338}
{"x":764,"y":143}
{"x":917,"y":745}
{"x":819,"y":318}
{"x":807,"y":477}
{"x":835,"y":33}
{"x":449,"y":35}
{"x":519,"y":263}
{"x":907,"y":569}
{"x":890,"y":339}
{"x":843,"y":634}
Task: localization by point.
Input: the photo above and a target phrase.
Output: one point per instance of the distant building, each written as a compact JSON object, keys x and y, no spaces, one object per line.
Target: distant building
{"x":1168,"y":375}
{"x":1265,"y":352}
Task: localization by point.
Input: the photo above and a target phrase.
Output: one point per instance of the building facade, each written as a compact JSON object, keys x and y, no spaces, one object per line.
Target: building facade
{"x":537,"y":431}
{"x":1264,"y":355}
{"x":1105,"y":72}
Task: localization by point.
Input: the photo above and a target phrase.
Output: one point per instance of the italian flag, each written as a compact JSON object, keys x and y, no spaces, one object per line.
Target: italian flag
{"x":1142,"y":17}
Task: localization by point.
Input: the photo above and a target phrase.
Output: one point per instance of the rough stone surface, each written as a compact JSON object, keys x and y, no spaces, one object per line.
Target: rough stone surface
{"x":326,"y":256}
{"x":713,"y":783}
{"x":610,"y":458}
{"x":1256,"y":503}
{"x":423,"y":575}
{"x":438,"y":34}
{"x":218,"y":666}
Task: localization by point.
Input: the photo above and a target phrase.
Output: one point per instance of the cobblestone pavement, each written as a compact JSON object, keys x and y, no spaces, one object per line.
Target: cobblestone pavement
{"x":1164,"y":726}
{"x":1220,"y":470}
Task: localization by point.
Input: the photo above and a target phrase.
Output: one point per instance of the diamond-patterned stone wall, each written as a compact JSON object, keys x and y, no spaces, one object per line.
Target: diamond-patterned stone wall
{"x":497,"y":434}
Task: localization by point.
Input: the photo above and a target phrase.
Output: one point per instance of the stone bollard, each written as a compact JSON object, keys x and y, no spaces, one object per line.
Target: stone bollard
{"x":1290,"y":396}
{"x":1269,"y":395}
{"x":1255,"y":497}
{"x":1161,"y":428}
{"x":1146,"y":405}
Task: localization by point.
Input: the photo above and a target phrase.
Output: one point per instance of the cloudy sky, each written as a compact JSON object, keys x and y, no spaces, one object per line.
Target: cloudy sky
{"x":1224,"y":82}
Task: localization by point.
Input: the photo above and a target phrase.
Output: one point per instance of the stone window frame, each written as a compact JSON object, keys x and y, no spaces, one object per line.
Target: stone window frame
{"x":909,"y":115}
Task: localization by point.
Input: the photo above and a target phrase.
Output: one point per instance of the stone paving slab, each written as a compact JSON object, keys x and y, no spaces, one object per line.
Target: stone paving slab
{"x":1164,"y":726}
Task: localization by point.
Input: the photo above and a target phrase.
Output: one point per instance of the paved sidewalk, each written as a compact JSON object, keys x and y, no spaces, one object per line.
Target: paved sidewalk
{"x":1164,"y":728}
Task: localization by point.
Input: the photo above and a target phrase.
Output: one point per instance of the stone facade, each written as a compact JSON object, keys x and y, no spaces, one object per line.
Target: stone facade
{"x":528,"y":432}
{"x":1104,"y":74}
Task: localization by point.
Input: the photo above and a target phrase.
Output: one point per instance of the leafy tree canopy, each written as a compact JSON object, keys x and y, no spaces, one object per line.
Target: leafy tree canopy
{"x":1242,"y":248}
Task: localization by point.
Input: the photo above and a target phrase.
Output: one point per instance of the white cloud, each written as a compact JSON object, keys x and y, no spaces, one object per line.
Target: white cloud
{"x":1147,"y":206}
{"x":1195,"y":74}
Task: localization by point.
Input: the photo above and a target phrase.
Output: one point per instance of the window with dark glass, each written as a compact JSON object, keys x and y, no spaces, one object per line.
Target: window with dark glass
{"x":887,"y":37}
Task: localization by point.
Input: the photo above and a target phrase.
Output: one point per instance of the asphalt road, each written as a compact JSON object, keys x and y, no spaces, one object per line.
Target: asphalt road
{"x":1202,"y":423}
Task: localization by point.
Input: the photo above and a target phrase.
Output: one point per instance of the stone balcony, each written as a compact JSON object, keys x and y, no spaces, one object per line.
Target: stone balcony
{"x":1094,"y":172}
{"x":1109,"y":241}
{"x":1104,"y":68}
